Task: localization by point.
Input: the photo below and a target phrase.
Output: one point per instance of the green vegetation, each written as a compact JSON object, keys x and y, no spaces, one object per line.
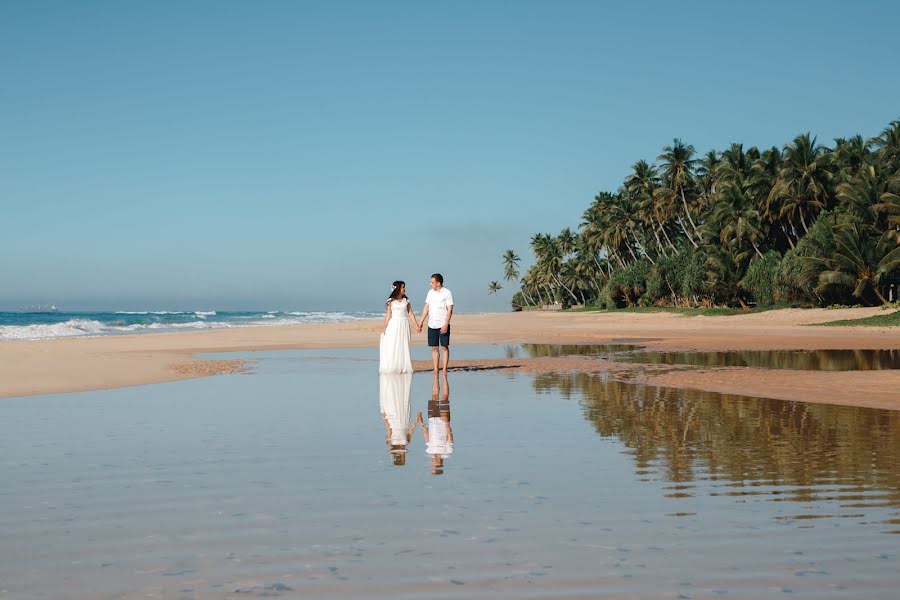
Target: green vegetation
{"x":891,"y":319}
{"x":805,"y":225}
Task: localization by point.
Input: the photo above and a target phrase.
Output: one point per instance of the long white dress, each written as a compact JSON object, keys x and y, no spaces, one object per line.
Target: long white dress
{"x":394,"y":346}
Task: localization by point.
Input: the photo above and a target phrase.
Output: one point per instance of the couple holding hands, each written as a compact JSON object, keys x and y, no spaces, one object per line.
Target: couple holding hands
{"x":394,"y":346}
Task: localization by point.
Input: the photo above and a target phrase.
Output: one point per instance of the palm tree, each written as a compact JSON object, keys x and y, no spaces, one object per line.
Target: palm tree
{"x":738,"y":221}
{"x":707,"y":173}
{"x":510,"y":265}
{"x":553,"y":262}
{"x":861,"y":193}
{"x":734,"y":162}
{"x":677,"y":174}
{"x":803,"y":181}
{"x":849,"y":156}
{"x":888,"y":147}
{"x":642,"y":185}
{"x":860,"y":263}
{"x":762,"y":178}
{"x":494,"y":287}
{"x":567,"y":239}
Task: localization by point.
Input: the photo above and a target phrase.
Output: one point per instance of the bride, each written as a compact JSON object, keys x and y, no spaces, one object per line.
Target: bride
{"x":394,"y":346}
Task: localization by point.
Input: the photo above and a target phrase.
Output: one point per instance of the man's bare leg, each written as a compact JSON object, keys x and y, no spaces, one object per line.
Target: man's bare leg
{"x":434,"y":358}
{"x":446,"y":357}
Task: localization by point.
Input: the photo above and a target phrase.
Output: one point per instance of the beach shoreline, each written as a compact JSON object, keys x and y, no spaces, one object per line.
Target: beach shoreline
{"x":36,"y":367}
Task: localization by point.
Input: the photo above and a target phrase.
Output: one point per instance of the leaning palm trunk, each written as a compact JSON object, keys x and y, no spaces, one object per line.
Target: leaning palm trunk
{"x":668,"y":239}
{"x":686,"y":233}
{"x":756,"y":248}
{"x":688,"y":213}
{"x":803,"y":222}
{"x":564,"y":286}
{"x":659,"y":243}
{"x":787,"y":235}
{"x":663,"y":229}
{"x":641,"y":247}
{"x":631,"y":252}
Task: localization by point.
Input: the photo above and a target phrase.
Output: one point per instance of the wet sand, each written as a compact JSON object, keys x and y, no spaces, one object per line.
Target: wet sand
{"x":79,"y":364}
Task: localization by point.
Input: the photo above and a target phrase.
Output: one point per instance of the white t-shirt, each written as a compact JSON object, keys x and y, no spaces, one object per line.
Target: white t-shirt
{"x":438,"y":305}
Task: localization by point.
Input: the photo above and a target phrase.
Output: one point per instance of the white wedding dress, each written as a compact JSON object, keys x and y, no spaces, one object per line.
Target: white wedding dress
{"x":394,"y":346}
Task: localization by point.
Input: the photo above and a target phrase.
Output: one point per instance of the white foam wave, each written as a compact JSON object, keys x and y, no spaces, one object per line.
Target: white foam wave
{"x":161,"y":312}
{"x":87,"y":327}
{"x":72,"y":327}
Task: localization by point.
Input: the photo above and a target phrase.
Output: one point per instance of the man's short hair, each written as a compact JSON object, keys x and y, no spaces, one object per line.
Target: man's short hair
{"x":438,"y":277}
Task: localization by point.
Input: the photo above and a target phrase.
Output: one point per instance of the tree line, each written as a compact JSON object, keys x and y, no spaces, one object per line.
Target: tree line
{"x":805,"y":224}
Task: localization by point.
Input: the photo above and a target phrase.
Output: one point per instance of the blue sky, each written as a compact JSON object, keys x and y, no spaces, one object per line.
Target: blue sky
{"x":302,"y":155}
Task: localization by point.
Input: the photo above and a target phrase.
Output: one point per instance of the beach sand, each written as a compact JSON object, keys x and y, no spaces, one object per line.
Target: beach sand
{"x":78,"y":364}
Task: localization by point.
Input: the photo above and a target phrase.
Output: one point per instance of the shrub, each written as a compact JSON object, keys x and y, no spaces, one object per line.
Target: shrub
{"x":761,"y":279}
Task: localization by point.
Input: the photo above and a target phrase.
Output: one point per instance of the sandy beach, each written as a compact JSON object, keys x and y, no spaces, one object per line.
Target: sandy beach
{"x":78,"y":364}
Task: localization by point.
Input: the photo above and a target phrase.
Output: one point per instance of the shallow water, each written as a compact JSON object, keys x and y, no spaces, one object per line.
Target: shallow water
{"x":281,"y":484}
{"x":803,"y":360}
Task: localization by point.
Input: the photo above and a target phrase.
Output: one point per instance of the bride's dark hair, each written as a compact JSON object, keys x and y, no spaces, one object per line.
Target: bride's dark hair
{"x":395,"y":291}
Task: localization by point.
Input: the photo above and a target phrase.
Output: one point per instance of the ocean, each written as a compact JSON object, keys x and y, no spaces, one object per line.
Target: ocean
{"x":43,"y":325}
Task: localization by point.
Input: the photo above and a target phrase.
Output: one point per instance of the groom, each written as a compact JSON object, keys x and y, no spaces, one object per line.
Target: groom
{"x":438,"y":309}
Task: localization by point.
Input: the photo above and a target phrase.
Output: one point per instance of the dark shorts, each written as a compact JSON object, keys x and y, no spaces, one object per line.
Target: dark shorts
{"x":435,"y":336}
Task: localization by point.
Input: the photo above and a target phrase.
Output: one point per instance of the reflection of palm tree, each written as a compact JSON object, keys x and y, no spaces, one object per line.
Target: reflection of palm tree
{"x":743,"y":441}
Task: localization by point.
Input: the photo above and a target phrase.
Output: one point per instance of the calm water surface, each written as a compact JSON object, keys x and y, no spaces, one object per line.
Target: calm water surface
{"x":284,"y":483}
{"x":804,"y":360}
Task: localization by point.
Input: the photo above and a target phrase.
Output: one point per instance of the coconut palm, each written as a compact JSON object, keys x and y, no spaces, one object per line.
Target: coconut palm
{"x":738,"y":222}
{"x":804,"y":181}
{"x":734,"y":163}
{"x":860,"y":263}
{"x":888,"y":147}
{"x":707,"y":169}
{"x":677,"y":171}
{"x":860,"y":194}
{"x":760,"y":182}
{"x":510,"y":265}
{"x":642,"y":185}
{"x":849,"y":155}
{"x":494,"y":287}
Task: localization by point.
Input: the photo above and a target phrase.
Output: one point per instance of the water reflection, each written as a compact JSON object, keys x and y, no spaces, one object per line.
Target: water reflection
{"x":393,"y":396}
{"x":839,"y":461}
{"x":553,"y":350}
{"x":805,"y":360}
{"x":438,"y":433}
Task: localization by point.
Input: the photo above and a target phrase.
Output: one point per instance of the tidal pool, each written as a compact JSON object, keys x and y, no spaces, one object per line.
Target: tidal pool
{"x":299,"y":480}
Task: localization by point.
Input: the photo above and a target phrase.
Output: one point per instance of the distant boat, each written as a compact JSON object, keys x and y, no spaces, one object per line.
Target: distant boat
{"x":39,"y":308}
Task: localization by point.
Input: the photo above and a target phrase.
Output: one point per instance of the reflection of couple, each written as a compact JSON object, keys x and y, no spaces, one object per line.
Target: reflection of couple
{"x":438,"y":434}
{"x":395,"y":410}
{"x":394,"y":345}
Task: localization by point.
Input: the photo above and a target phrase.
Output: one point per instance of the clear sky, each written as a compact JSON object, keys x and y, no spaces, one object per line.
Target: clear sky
{"x":300,"y":155}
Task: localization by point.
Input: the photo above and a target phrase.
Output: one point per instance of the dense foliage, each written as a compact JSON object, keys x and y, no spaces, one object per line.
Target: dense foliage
{"x":805,"y":224}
